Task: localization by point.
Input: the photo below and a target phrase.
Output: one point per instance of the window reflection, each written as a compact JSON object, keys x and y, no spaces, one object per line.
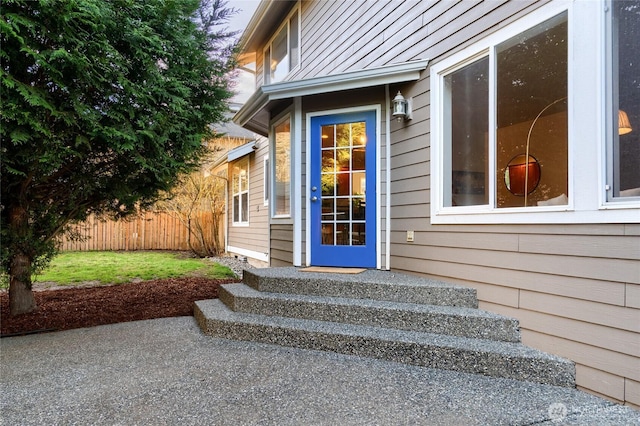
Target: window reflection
{"x":343,"y":183}
{"x":626,"y":99}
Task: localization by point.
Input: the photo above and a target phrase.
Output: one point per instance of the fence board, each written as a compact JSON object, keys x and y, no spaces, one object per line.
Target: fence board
{"x":149,"y":231}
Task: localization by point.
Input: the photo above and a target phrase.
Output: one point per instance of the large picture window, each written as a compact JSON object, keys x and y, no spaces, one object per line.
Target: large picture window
{"x":240,"y":192}
{"x":539,"y":121}
{"x":623,"y":180}
{"x":282,"y":54}
{"x":504,"y":123}
{"x":282,"y":168}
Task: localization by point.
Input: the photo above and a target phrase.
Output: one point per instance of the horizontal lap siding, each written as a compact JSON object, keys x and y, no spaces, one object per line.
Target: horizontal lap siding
{"x":281,"y":241}
{"x":345,"y":36}
{"x":591,"y":300}
{"x":254,"y":237}
{"x":574,"y":288}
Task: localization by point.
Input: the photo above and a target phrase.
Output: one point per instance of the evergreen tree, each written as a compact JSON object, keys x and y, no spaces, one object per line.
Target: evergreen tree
{"x":104,"y":103}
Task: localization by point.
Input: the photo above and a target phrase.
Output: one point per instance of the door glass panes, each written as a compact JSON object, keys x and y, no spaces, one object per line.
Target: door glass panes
{"x":343,"y":184}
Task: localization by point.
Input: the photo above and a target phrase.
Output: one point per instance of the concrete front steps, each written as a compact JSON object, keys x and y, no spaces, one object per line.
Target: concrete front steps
{"x":378,"y":314}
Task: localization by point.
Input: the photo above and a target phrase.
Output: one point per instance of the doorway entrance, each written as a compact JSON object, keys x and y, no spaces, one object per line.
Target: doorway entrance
{"x":343,"y":189}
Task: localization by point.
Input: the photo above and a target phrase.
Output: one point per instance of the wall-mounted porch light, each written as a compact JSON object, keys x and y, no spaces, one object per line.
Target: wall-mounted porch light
{"x":401,"y":108}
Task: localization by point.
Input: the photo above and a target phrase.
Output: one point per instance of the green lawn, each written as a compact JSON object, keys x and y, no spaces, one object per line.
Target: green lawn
{"x":69,"y":268}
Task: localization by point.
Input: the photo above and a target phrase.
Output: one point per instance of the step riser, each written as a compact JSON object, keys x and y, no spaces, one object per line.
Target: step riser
{"x":503,"y":329}
{"x":456,"y":359}
{"x":440,"y":296}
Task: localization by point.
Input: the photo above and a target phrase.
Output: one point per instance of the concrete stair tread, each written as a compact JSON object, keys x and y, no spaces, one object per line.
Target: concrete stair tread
{"x":370,"y":276}
{"x":505,"y":348}
{"x":370,"y":284}
{"x":244,"y":291}
{"x":454,"y":320}
{"x":493,"y":358}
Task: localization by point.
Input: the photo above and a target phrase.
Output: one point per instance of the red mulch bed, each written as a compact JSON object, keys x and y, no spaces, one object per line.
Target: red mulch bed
{"x":63,"y":309}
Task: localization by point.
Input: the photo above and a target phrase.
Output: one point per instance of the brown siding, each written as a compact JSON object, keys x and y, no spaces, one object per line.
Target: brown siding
{"x":281,"y":245}
{"x":255,"y":236}
{"x":574,"y":288}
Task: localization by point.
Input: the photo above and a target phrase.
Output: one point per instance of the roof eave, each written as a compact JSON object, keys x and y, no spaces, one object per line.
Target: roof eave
{"x":257,"y":101}
{"x":350,"y":80}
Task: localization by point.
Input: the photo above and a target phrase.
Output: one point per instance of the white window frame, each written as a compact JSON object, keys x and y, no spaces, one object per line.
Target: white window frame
{"x":268,"y":49}
{"x":611,"y":124}
{"x":266,"y":175}
{"x":587,"y":115}
{"x":240,"y":163}
{"x":286,"y":115}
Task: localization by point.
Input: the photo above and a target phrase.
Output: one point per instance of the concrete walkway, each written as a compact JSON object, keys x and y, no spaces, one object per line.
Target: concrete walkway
{"x":166,"y":372}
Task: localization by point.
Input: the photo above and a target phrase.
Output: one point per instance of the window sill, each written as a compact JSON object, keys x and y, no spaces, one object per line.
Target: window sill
{"x":621,"y":204}
{"x":623,"y":213}
{"x":285,"y":220}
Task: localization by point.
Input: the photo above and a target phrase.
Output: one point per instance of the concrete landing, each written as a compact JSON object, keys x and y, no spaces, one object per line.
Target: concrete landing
{"x":166,"y":372}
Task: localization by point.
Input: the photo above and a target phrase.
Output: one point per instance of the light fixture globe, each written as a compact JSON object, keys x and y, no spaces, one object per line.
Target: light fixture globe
{"x":399,"y":107}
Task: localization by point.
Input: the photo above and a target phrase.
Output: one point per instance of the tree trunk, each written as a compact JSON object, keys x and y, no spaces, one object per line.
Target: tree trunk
{"x":21,"y":300}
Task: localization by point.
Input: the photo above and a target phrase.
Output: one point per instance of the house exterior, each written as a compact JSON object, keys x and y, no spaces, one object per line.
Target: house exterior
{"x":243,"y":160}
{"x":511,"y":166}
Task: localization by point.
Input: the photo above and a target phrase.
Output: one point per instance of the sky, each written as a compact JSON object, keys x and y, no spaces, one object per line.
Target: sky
{"x":239,"y":21}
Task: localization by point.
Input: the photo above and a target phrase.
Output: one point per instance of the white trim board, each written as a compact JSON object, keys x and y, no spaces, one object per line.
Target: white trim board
{"x":378,"y":110}
{"x":241,"y":151}
{"x":264,"y":257}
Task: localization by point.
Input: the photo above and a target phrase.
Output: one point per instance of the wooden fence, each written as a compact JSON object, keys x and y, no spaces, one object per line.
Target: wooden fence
{"x":149,"y":231}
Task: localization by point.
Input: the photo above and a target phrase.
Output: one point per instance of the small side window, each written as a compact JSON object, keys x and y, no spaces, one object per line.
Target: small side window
{"x":240,"y":192}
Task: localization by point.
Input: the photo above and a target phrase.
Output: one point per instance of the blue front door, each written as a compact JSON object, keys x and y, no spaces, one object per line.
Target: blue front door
{"x":343,"y":190}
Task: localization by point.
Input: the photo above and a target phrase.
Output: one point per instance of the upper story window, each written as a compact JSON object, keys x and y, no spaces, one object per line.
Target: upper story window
{"x":282,"y":54}
{"x":240,"y":192}
{"x":623,"y":173}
